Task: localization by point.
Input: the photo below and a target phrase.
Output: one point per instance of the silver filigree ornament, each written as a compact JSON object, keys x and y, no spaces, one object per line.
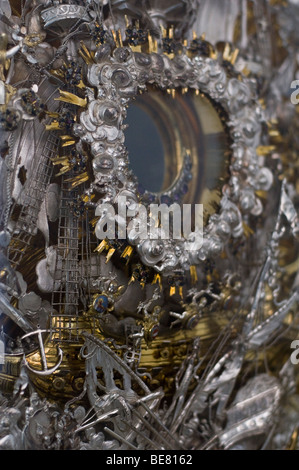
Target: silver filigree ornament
{"x":243,"y":412}
{"x":62,"y":13}
{"x":118,"y":79}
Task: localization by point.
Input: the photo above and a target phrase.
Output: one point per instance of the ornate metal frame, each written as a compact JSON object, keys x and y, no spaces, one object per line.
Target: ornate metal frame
{"x":118,"y":79}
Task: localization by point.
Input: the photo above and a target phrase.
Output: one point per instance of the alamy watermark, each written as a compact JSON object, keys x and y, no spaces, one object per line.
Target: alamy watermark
{"x":2,"y":352}
{"x":295,"y":354}
{"x":295,"y":94}
{"x":157,"y":221}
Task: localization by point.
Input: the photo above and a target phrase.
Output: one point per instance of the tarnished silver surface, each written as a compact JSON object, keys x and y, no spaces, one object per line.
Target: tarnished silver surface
{"x":160,"y":348}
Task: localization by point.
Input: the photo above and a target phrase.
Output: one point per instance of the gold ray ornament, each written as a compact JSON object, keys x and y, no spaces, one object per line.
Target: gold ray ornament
{"x":68,"y":97}
{"x":79,"y":179}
